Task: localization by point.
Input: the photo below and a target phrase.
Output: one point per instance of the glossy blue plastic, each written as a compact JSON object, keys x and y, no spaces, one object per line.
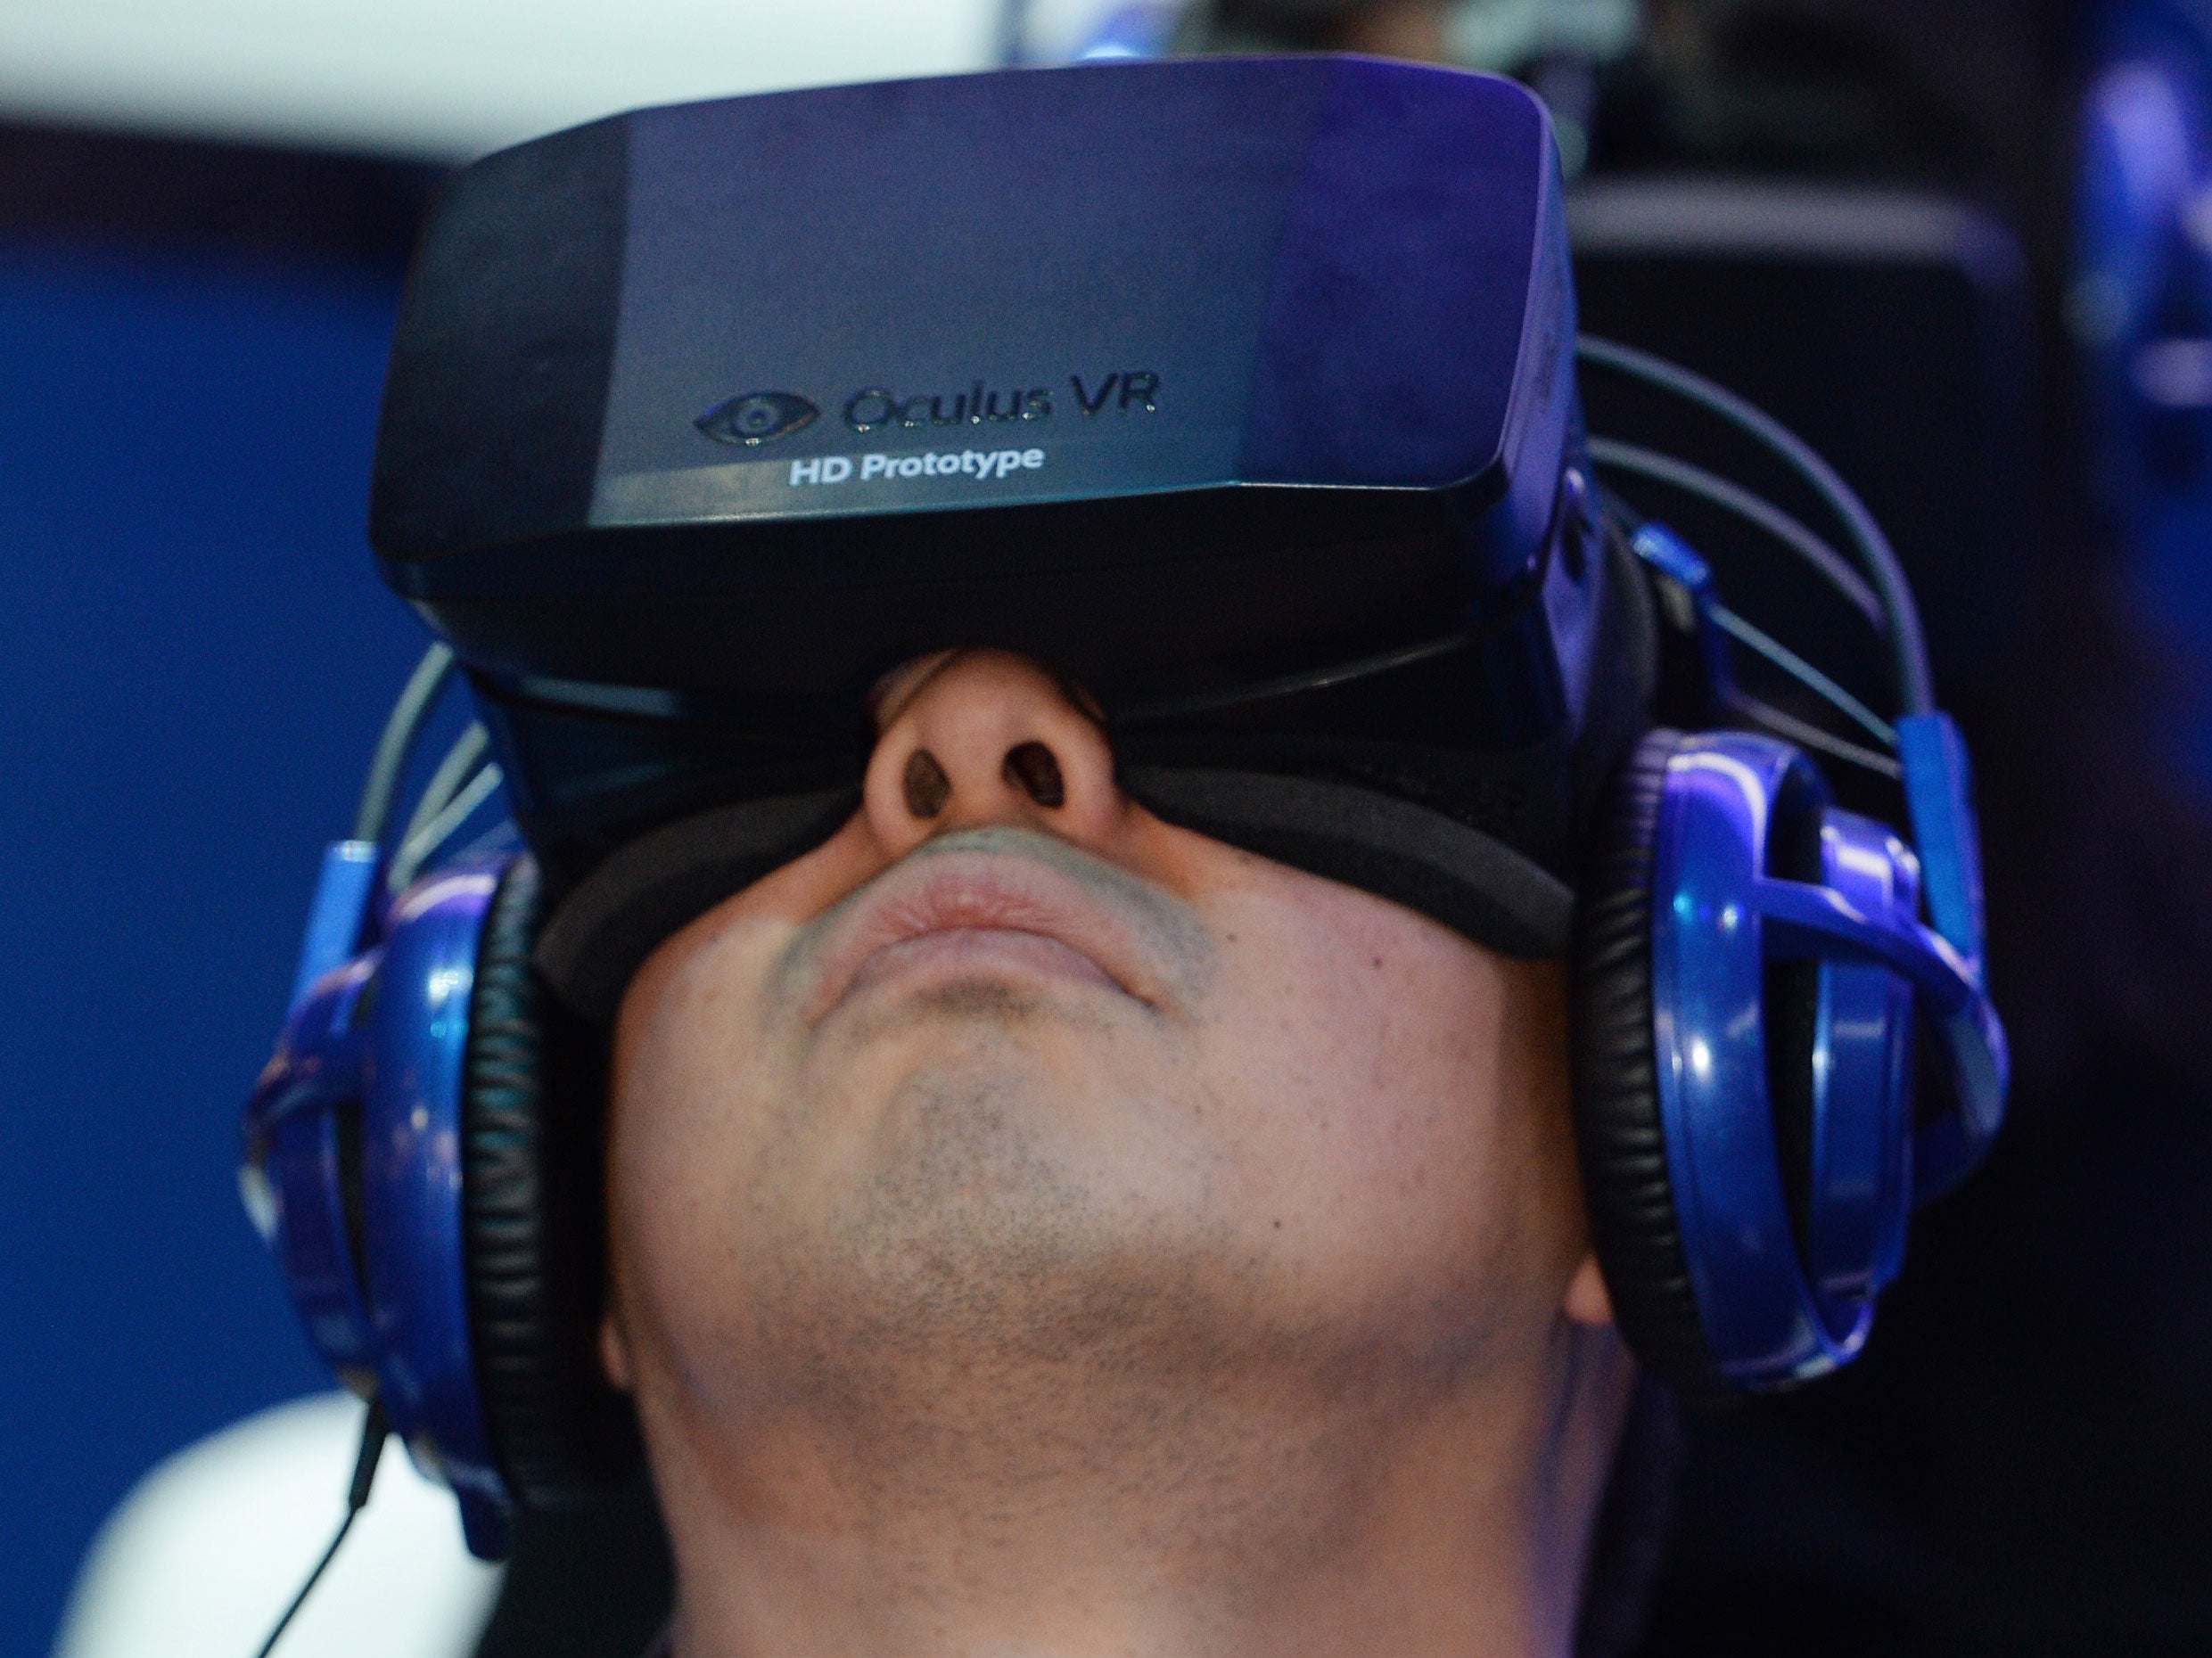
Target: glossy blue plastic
{"x":411,"y":1186}
{"x":1969,"y":1041}
{"x":1860,"y":1183}
{"x":1775,"y":1313}
{"x":1940,"y":794}
{"x":338,"y":917}
{"x":293,"y":1176}
{"x":372,"y":1057}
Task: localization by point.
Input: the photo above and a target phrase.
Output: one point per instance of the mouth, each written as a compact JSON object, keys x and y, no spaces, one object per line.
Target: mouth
{"x":960,"y":912}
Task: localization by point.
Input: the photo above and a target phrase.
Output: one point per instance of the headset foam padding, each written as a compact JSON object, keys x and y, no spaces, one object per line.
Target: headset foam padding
{"x":1622,"y":1141}
{"x":1471,"y":881}
{"x":603,"y":928}
{"x":532,"y":1217}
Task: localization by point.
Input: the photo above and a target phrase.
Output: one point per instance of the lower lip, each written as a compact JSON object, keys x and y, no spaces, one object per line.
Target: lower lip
{"x":956,"y":953}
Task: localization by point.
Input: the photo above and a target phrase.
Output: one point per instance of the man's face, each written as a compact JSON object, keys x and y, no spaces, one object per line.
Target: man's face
{"x":1013,"y":1118}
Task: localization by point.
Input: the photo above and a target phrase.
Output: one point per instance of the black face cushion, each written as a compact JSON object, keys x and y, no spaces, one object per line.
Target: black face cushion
{"x":601,"y":931}
{"x":1471,"y":881}
{"x":533,"y":1219}
{"x":1617,"y":1091}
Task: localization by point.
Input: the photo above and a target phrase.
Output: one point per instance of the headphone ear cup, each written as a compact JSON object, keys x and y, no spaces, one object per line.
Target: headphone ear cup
{"x":533,"y":1219}
{"x":1627,"y":1184}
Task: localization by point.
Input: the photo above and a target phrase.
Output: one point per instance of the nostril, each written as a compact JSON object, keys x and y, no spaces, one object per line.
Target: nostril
{"x":1037,"y":771}
{"x":927,"y":788}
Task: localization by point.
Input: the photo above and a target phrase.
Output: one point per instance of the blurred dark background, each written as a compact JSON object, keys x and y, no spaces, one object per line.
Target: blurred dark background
{"x":1867,"y":214}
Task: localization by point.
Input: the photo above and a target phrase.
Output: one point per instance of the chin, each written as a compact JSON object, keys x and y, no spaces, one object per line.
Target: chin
{"x":1042,"y":1063}
{"x":951,"y":1001}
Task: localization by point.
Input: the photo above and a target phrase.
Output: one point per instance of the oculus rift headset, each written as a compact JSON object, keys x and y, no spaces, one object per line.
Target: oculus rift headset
{"x":1243,"y":393}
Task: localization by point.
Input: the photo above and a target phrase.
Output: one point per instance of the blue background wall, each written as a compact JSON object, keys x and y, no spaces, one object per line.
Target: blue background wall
{"x":196,"y":657}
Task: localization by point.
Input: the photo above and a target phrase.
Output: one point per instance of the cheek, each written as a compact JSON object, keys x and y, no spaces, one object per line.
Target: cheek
{"x":688,"y":1132}
{"x":692,"y":1074}
{"x":1399,"y":1094}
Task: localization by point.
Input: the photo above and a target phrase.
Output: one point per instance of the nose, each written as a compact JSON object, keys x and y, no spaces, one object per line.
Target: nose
{"x":989,"y":738}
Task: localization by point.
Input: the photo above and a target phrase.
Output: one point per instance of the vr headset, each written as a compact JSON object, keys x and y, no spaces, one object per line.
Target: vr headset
{"x":1243,"y":394}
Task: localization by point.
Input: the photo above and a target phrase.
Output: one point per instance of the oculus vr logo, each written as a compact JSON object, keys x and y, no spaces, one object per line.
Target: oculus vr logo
{"x":757,"y":417}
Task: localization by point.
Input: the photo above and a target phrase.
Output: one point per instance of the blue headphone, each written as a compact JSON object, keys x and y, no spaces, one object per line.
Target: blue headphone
{"x":1750,"y":970}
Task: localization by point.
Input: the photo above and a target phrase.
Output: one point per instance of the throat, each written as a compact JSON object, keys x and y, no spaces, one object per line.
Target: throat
{"x":1067,"y":1498}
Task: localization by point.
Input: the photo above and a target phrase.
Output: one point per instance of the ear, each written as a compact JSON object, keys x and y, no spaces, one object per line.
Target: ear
{"x":1588,"y":1301}
{"x":614,"y":1354}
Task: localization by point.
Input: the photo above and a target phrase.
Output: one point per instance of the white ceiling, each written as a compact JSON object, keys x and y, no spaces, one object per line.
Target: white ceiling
{"x":449,"y":79}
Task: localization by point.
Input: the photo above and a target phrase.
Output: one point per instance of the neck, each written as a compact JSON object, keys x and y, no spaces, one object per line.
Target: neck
{"x":1351,"y":1514}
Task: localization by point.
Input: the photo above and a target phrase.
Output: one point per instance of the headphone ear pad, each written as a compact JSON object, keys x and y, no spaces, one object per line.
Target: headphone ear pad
{"x":533,"y":1219}
{"x":1627,"y":1184}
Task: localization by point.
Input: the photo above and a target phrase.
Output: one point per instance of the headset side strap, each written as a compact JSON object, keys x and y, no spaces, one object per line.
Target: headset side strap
{"x":338,"y":917}
{"x":1939,"y":792}
{"x":1801,"y":920}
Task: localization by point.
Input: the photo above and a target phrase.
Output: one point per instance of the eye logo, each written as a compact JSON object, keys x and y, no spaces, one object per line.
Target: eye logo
{"x":757,"y":417}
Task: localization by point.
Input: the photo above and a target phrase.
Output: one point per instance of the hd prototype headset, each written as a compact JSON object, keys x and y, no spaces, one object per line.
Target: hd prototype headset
{"x":681,"y":449}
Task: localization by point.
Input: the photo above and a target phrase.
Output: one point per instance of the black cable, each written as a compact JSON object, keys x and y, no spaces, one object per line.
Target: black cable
{"x":407,"y":713}
{"x":1744,"y":706}
{"x":374,"y":1429}
{"x":1291,"y":684}
{"x":454,"y":771}
{"x":1753,"y":509}
{"x":1908,"y":643}
{"x":1807,"y":735}
{"x":459,"y":777}
{"x":1811,"y":678}
{"x":425,"y":843}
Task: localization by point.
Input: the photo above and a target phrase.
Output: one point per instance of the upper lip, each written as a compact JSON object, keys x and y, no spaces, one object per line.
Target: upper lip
{"x":939,"y":891}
